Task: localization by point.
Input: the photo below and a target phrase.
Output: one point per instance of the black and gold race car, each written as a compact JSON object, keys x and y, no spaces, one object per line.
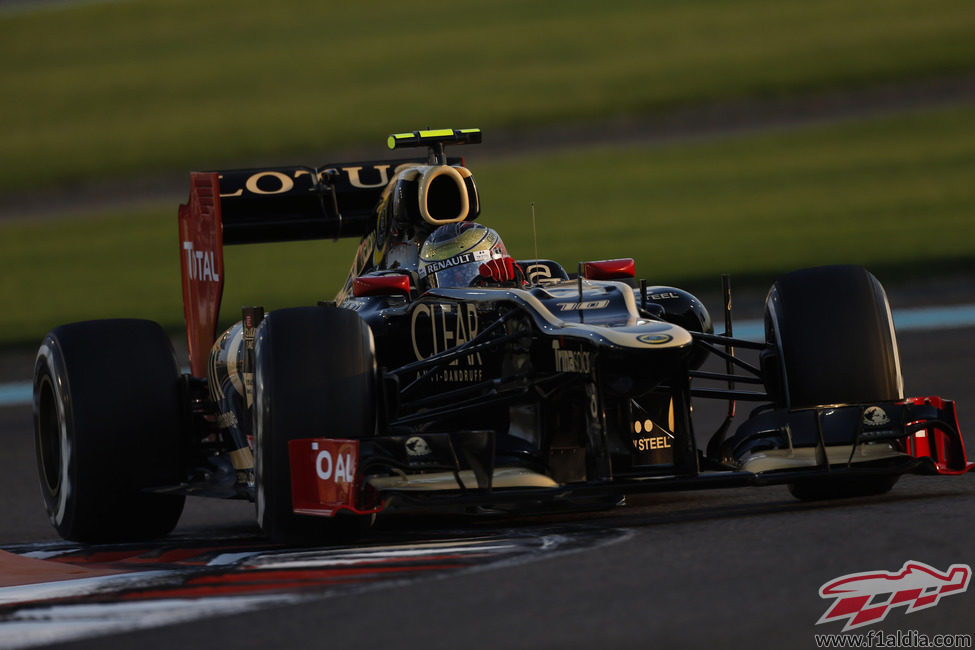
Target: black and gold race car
{"x":447,"y":375}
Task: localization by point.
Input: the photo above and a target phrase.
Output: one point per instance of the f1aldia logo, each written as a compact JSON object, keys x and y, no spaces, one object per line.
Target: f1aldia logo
{"x":867,"y":598}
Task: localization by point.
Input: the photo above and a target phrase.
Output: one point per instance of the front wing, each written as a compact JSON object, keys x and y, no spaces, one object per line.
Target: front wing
{"x":331,"y":475}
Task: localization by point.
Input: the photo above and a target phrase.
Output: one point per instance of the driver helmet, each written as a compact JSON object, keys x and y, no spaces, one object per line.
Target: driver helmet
{"x":452,"y":255}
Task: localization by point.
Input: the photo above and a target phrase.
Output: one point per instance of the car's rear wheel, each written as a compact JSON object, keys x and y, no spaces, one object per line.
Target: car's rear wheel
{"x":107,"y":427}
{"x":315,"y":377}
{"x":835,"y":344}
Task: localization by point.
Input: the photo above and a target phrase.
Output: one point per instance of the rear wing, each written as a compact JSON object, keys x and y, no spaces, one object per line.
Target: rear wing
{"x":273,"y":204}
{"x":296,"y":203}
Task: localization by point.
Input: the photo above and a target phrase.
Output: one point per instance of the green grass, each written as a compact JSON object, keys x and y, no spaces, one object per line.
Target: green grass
{"x":116,"y":88}
{"x":893,"y":194}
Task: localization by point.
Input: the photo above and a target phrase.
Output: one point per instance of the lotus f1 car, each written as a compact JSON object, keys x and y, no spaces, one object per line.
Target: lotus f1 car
{"x":543,"y":390}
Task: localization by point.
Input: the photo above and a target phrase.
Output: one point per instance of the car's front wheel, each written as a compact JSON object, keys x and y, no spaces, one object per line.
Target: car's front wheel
{"x":835,"y":344}
{"x":315,"y":377}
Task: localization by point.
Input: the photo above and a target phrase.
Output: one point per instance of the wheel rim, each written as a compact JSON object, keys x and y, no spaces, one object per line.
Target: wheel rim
{"x":49,"y":436}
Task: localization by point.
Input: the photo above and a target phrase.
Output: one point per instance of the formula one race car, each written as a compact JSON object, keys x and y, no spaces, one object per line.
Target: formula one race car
{"x":447,"y":375}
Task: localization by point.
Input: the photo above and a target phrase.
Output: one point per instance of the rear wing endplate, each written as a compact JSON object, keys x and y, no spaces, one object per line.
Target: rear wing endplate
{"x":201,"y":262}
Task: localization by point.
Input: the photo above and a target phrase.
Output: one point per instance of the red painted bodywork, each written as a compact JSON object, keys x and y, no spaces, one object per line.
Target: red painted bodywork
{"x":324,"y":476}
{"x":381,"y":285}
{"x":201,"y":231}
{"x":609,"y":269}
{"x":947,"y":451}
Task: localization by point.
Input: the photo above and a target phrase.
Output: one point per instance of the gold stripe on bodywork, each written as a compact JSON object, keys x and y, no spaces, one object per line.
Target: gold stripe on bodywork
{"x":242,"y":458}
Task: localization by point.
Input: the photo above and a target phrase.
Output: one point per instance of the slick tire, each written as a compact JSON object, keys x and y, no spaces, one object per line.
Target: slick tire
{"x":835,"y":344}
{"x":821,"y":489}
{"x":315,"y":376}
{"x":107,"y":426}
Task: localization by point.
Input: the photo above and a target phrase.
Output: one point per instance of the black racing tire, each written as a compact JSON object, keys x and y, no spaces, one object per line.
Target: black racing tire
{"x":835,"y":344}
{"x":315,"y":377}
{"x":107,"y":426}
{"x":834,"y":335}
{"x":823,"y":489}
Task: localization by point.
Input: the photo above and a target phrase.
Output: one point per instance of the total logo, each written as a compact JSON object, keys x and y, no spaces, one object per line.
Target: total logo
{"x":200,"y":264}
{"x":867,"y":598}
{"x":340,"y":469}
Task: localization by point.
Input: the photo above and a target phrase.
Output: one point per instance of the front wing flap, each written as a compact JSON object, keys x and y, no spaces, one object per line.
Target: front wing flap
{"x":330,"y":475}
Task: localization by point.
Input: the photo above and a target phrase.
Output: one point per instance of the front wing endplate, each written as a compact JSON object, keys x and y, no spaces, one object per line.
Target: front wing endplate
{"x":324,"y":476}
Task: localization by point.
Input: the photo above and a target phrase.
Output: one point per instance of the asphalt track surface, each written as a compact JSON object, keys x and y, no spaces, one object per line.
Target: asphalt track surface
{"x":717,"y":568}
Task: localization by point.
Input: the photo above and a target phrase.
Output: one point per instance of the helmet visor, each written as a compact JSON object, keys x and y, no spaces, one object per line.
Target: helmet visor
{"x":458,"y":276}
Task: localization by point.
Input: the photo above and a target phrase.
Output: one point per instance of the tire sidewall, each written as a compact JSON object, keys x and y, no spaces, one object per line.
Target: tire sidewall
{"x":49,"y":366}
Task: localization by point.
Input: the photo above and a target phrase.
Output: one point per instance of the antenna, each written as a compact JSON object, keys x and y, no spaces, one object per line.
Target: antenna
{"x":579,"y":276}
{"x":534,"y":238}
